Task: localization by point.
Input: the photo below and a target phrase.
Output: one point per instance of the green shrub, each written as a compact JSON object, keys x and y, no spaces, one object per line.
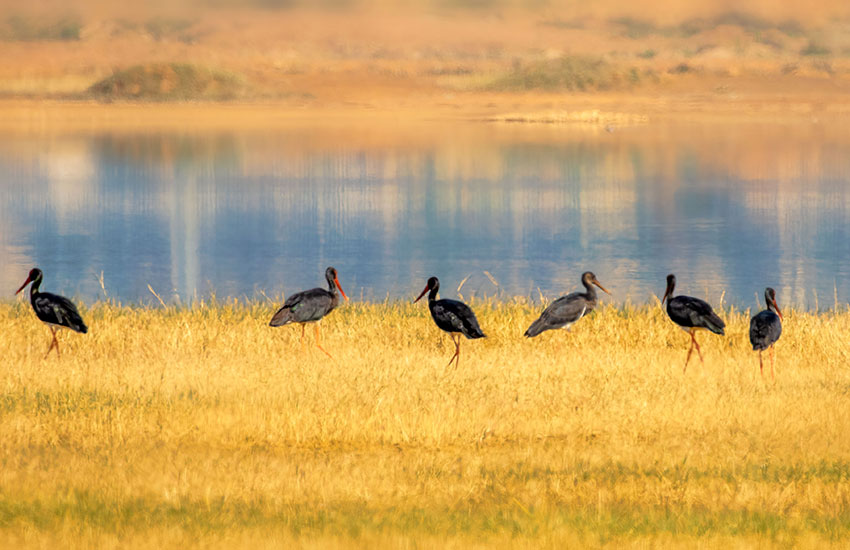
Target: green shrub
{"x":168,"y":82}
{"x":29,"y":29}
{"x":572,"y":72}
{"x":813,"y":48}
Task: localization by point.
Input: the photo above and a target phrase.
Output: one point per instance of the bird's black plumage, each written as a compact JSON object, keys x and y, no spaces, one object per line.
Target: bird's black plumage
{"x":568,"y":309}
{"x":53,"y":310}
{"x":455,"y":316}
{"x":451,"y":316}
{"x":309,"y":305}
{"x":766,"y":328}
{"x":57,"y":310}
{"x":691,"y":314}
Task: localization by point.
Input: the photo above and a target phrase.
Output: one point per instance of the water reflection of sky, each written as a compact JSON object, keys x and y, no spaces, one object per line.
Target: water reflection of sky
{"x":238,"y":214}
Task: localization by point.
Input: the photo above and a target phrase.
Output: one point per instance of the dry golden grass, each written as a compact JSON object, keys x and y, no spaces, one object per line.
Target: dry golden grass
{"x":205,"y":427}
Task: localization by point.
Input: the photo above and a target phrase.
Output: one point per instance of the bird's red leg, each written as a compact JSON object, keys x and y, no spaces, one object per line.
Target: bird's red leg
{"x":452,"y":336}
{"x":457,"y":350}
{"x":761,"y":364}
{"x":688,"y":358}
{"x":53,"y":343}
{"x":772,"y":373}
{"x":319,"y":344}
{"x":698,"y":350}
{"x":50,"y":347}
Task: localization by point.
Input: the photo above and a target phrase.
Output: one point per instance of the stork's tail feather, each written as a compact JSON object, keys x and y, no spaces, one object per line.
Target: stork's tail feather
{"x":75,"y":322}
{"x":282,"y":317}
{"x":715,"y":324}
{"x":474,"y":333}
{"x":536,"y":328}
{"x":471,"y":329}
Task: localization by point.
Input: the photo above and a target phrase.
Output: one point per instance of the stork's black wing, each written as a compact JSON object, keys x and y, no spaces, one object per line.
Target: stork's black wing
{"x":564,"y":311}
{"x":455,"y":316}
{"x":689,"y":312}
{"x":57,"y":310}
{"x":303,"y":307}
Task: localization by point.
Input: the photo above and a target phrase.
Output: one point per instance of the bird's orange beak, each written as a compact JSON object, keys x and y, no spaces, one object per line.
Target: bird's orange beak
{"x":605,"y":290}
{"x":427,"y":288}
{"x":23,"y":286}
{"x":341,"y":291}
{"x":776,"y":307}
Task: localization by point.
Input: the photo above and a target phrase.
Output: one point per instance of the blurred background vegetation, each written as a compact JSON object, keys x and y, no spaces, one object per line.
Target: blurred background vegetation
{"x":294,"y":50}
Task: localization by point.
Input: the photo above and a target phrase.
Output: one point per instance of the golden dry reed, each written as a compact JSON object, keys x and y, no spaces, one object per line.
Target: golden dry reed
{"x":204,"y":427}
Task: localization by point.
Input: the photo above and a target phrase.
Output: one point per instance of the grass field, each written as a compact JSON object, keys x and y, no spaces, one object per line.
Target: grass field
{"x":204,"y":427}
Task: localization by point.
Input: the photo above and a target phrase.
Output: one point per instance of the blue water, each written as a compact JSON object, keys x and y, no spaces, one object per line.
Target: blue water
{"x":729,"y":208}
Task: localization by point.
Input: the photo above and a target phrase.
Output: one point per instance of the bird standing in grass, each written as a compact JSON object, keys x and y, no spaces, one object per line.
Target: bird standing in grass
{"x":566,"y":310}
{"x":55,"y":311}
{"x":766,"y":328}
{"x":310,"y":306}
{"x":691,"y":314}
{"x":452,"y":316}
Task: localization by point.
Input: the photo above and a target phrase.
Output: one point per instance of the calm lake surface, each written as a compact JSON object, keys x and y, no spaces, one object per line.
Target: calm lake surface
{"x":729,"y":208}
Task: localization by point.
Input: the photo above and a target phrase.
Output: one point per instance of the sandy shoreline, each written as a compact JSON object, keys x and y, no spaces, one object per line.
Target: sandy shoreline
{"x":603,"y":110}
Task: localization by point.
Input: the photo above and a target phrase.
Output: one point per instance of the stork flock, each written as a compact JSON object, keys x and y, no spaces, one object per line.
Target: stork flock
{"x":455,"y":317}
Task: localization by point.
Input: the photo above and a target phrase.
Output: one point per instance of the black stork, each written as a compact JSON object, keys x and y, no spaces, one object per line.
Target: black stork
{"x":691,"y":314}
{"x":55,"y":311}
{"x":310,"y":306}
{"x":766,"y":328}
{"x":566,"y":310}
{"x":451,"y":316}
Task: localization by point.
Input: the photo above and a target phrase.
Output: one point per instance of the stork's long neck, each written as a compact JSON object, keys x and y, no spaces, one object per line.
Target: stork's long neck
{"x":34,"y":290}
{"x":331,"y":286}
{"x":433,"y":294}
{"x":590,"y":292}
{"x":670,"y":288}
